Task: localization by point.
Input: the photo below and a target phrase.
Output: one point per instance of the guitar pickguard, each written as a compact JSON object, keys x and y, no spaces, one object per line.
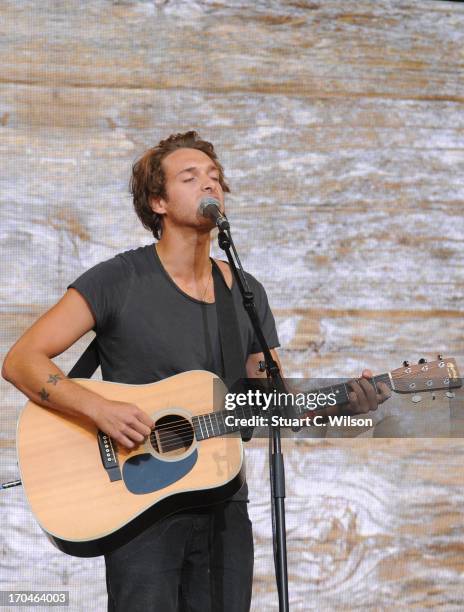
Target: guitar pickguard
{"x":145,"y":473}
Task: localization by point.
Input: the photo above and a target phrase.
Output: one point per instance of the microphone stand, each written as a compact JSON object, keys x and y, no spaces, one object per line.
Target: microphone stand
{"x":277,"y":472}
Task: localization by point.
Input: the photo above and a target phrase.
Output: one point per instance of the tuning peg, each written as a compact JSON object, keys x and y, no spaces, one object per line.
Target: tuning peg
{"x":440,"y":357}
{"x":406,"y":363}
{"x":422,"y":360}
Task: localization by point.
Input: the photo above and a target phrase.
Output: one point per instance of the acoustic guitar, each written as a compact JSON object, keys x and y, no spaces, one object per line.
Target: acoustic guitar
{"x":90,"y":496}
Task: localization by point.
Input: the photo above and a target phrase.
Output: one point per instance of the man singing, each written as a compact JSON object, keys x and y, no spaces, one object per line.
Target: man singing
{"x":154,"y":313}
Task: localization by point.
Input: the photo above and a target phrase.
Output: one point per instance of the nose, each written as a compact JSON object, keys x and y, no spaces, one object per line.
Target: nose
{"x":208,"y":188}
{"x":208,"y":184}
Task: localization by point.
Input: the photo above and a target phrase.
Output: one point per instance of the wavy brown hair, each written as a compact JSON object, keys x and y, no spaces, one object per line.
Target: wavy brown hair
{"x":148,"y":179}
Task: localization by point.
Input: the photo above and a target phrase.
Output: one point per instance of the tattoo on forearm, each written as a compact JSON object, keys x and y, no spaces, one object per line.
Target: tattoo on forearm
{"x":44,"y":395}
{"x":53,"y":379}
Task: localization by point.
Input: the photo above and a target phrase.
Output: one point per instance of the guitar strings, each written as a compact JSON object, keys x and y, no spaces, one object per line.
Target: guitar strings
{"x":171,"y":436}
{"x":168,"y":433}
{"x":180,"y":425}
{"x":177,"y":427}
{"x":187,"y":427}
{"x":174,"y":433}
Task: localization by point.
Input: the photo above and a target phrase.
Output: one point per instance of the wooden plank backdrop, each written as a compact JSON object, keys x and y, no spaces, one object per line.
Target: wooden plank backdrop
{"x":340,"y":125}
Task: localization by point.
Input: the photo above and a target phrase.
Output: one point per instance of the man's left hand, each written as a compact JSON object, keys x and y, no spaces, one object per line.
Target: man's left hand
{"x":363,"y":397}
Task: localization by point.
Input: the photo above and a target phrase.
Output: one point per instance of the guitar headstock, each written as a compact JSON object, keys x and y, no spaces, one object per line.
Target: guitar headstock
{"x":426,"y":376}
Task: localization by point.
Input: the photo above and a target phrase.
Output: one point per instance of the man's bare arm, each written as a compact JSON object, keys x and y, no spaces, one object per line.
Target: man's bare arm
{"x":29,"y":367}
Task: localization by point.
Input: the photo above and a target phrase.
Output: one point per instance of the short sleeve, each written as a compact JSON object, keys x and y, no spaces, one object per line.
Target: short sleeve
{"x":104,"y":287}
{"x":265,"y":316}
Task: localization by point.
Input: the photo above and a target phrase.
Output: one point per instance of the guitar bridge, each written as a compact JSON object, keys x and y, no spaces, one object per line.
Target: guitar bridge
{"x":108,"y":456}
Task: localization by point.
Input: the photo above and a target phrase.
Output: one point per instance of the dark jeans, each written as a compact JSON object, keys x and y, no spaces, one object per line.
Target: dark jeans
{"x":197,"y":560}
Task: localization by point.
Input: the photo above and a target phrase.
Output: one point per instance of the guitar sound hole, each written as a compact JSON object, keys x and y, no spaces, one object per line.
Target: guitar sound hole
{"x":172,"y":435}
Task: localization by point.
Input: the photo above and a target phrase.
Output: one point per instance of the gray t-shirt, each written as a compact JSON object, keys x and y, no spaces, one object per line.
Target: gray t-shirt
{"x":148,"y":328}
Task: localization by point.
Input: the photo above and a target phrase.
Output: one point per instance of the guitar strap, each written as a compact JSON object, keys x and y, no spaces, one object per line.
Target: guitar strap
{"x":87,"y":363}
{"x":229,"y":337}
{"x":233,"y":366}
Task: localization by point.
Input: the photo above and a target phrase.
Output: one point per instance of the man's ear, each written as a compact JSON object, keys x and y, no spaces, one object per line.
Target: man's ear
{"x":158,"y":205}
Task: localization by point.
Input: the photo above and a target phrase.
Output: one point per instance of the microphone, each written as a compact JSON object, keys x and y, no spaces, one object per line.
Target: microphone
{"x":211,"y":209}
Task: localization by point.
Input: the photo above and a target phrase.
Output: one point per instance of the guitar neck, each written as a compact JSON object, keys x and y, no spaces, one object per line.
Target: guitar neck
{"x":214,"y":424}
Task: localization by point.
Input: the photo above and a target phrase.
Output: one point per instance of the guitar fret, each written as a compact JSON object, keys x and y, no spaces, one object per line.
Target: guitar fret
{"x":205,"y":424}
{"x":213,"y":434}
{"x":217,"y":424}
{"x":340,"y":393}
{"x":390,"y":382}
{"x":201,"y":429}
{"x":196,"y":428}
{"x":345,"y":388}
{"x":224,"y":428}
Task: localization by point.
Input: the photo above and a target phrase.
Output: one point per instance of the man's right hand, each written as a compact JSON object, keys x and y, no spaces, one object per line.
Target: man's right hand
{"x":125,"y":423}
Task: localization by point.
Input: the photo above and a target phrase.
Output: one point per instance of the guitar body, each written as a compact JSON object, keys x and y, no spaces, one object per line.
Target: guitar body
{"x":70,"y":492}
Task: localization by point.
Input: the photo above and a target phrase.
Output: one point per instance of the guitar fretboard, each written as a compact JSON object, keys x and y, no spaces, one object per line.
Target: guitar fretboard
{"x":214,"y":424}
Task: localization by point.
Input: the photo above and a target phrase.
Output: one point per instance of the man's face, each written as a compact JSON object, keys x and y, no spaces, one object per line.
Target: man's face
{"x":190,"y":176}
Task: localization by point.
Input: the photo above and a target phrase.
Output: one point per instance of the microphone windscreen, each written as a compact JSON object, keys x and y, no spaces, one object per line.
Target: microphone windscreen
{"x":205,"y":203}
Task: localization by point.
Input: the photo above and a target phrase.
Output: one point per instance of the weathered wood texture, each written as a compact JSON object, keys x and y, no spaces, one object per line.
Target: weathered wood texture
{"x":340,"y":125}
